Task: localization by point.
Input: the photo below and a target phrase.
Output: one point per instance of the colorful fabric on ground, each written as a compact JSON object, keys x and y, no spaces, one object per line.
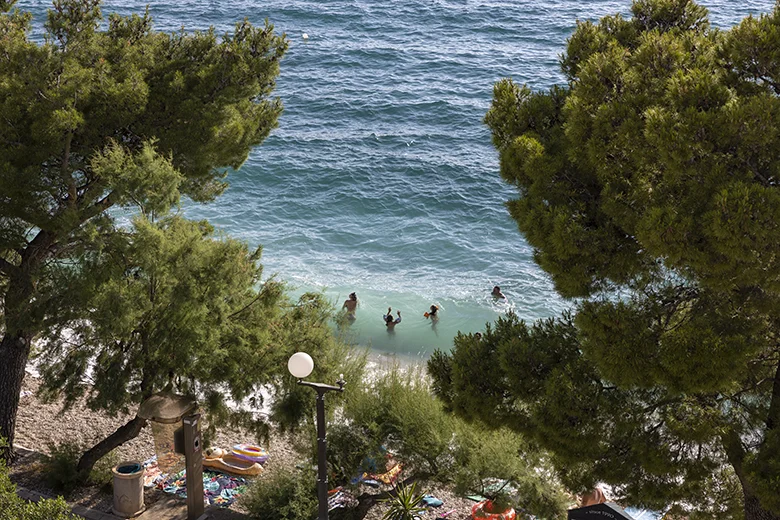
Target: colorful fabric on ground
{"x":431,"y":501}
{"x":341,"y":498}
{"x":218,"y":488}
{"x":366,"y":479}
{"x":152,"y":473}
{"x":391,"y":476}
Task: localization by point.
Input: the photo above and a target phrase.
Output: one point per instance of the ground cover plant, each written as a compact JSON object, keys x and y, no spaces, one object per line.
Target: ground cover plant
{"x":60,"y":468}
{"x":648,"y":187}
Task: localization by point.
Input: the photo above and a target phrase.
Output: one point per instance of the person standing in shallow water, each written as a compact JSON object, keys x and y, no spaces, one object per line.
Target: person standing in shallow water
{"x":350,"y":304}
{"x":390,"y":323}
{"x":433,"y":315}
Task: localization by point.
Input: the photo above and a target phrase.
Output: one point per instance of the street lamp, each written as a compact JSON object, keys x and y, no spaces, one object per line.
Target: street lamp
{"x":301,"y":365}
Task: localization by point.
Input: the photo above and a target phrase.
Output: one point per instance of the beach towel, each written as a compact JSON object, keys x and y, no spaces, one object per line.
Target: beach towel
{"x":365,"y":478}
{"x":152,"y":473}
{"x":391,"y":476}
{"x":341,"y":499}
{"x":218,"y":488}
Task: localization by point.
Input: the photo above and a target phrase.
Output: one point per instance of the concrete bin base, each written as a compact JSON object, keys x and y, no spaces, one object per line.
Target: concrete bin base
{"x":128,"y":489}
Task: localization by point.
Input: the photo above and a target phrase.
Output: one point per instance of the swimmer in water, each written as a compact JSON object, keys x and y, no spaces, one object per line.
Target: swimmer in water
{"x":390,"y":323}
{"x":497,"y":294}
{"x":350,"y":304}
{"x":432,"y":313}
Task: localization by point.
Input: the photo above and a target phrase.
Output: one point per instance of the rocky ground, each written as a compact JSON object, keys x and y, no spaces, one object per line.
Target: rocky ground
{"x":39,"y":425}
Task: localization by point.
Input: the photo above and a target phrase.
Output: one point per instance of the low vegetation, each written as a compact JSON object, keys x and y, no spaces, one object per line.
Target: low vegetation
{"x":14,"y":508}
{"x":60,"y":468}
{"x":395,"y":417}
{"x":285,"y":494}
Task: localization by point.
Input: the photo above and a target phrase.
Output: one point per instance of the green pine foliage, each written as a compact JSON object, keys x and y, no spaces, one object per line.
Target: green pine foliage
{"x":173,"y":304}
{"x":396,"y":412}
{"x":169,"y":301}
{"x":105,"y":117}
{"x":648,"y":187}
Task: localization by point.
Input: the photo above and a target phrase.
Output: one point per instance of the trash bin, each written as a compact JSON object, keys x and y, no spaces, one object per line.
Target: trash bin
{"x":128,"y":489}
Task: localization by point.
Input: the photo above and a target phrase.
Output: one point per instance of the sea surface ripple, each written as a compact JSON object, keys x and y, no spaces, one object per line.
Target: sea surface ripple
{"x":381,"y":177}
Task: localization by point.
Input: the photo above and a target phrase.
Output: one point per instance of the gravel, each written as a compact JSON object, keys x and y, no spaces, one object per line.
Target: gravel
{"x":39,"y":425}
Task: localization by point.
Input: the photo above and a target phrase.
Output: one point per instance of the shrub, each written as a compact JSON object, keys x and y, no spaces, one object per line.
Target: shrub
{"x":352,"y":449}
{"x":61,"y":473}
{"x":60,"y":467}
{"x":399,"y":410}
{"x":499,"y":465}
{"x":102,"y":474}
{"x":14,"y":508}
{"x":283,"y":495}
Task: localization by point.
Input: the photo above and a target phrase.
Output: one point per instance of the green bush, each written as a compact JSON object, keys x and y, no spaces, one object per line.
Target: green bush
{"x":14,"y":508}
{"x":284,"y":495}
{"x":499,"y":465}
{"x":60,"y":467}
{"x":399,"y":410}
{"x":61,"y":473}
{"x":102,"y":474}
{"x":351,"y":448}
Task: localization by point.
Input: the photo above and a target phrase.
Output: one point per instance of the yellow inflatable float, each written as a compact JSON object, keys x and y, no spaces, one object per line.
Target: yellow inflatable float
{"x":222,"y":460}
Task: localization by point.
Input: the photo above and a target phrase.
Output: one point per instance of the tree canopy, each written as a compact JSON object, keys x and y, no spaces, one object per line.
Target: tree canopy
{"x":108,"y":113}
{"x":170,"y":306}
{"x":395,"y":413}
{"x":648,"y":187}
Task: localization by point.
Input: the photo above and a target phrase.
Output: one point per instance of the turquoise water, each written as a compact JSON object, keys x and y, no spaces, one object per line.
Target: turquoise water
{"x":381,"y":178}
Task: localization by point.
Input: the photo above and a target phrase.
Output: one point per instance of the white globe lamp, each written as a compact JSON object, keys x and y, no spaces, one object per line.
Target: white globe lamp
{"x":300,"y":365}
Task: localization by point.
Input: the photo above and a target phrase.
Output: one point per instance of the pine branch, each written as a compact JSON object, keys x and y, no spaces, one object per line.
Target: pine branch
{"x":98,"y":208}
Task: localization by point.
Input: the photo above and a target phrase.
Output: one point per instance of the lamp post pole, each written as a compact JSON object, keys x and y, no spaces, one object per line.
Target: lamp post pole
{"x":322,"y":466}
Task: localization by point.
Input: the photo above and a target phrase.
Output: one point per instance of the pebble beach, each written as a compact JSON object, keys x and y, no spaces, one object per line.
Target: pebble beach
{"x":41,"y":424}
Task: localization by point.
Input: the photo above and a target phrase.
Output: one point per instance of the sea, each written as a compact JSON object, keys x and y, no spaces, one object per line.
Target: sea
{"x":381,"y":178}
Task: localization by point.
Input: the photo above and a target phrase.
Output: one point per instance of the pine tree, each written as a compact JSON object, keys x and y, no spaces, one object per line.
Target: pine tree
{"x":648,"y":187}
{"x":93,"y":120}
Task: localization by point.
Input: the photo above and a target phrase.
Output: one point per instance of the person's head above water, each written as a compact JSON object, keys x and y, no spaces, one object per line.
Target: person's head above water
{"x":497,"y":292}
{"x":434,"y":309}
{"x":352,"y":296}
{"x":389,"y":319}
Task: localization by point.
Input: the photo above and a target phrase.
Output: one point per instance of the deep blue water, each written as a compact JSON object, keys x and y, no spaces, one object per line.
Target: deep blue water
{"x":381,"y":178}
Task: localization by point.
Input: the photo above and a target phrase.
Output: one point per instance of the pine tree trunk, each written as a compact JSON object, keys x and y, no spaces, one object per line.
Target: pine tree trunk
{"x":14,"y":350}
{"x":754,"y":510}
{"x":124,"y":433}
{"x":19,"y":331}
